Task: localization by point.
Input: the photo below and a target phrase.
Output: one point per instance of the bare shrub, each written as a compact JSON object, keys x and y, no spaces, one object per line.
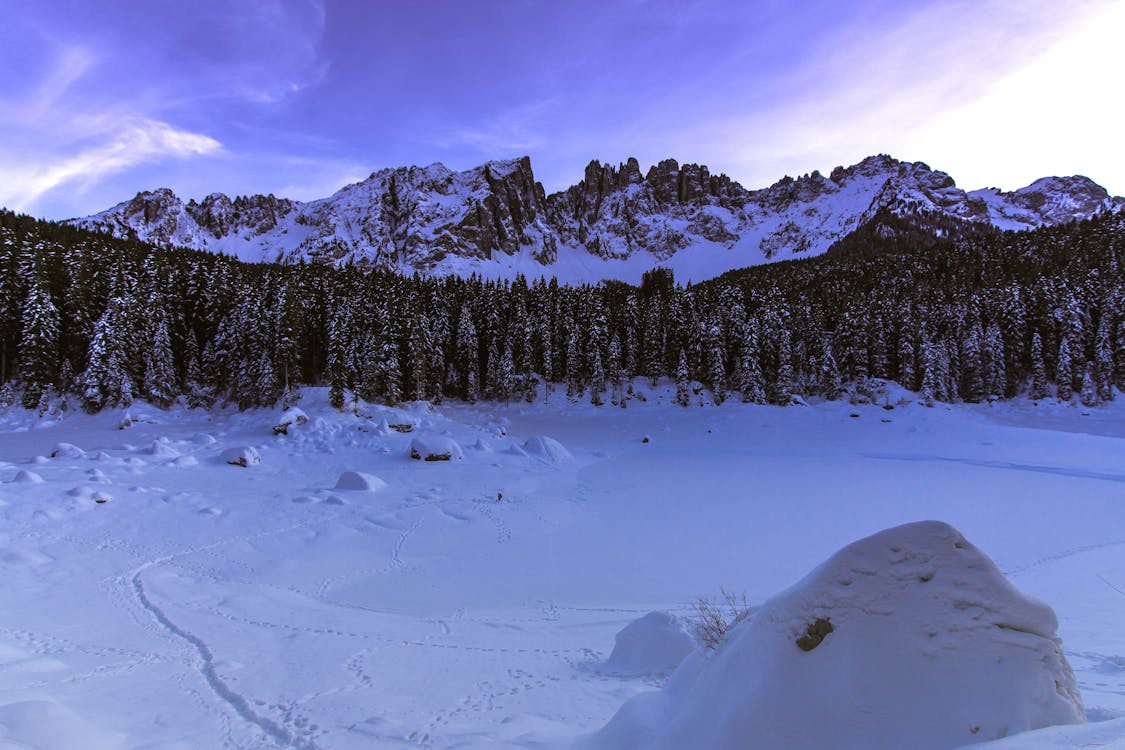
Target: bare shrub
{"x":714,"y":617}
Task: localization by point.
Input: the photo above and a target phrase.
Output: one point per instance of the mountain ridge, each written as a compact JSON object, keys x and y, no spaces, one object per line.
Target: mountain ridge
{"x":496,"y":219}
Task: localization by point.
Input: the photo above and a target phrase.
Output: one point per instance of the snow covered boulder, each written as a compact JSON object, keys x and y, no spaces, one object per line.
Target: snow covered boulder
{"x":23,"y":476}
{"x":67,"y":450}
{"x":436,"y":448}
{"x":652,"y":644}
{"x":547,"y":449}
{"x":910,"y":638}
{"x":243,"y":457}
{"x":357,"y":480}
{"x":162,"y":448}
{"x":290,"y":417}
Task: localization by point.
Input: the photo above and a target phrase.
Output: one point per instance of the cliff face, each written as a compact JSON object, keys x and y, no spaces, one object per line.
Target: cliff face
{"x":435,"y":220}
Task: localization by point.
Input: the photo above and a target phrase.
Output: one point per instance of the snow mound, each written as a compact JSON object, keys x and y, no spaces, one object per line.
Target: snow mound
{"x":435,"y":448}
{"x":67,"y":450}
{"x":162,"y":448}
{"x":357,"y":480}
{"x":24,"y":476}
{"x":183,"y":461}
{"x":547,"y":449}
{"x":911,"y":637}
{"x":290,"y":417}
{"x":482,"y":446}
{"x":652,"y":644}
{"x":244,"y":457}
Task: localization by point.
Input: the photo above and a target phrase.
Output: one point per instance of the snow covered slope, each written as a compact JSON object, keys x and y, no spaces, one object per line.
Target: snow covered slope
{"x":496,"y":219}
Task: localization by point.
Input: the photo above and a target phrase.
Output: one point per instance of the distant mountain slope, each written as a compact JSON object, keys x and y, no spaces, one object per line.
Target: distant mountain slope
{"x":496,"y":219}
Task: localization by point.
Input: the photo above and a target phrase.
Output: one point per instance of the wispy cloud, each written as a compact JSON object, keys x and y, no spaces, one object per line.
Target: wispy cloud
{"x":518,"y":129}
{"x":127,"y":146}
{"x":51,"y":143}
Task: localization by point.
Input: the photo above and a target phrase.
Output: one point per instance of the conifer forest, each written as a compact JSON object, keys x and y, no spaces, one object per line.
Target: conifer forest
{"x":90,"y":321}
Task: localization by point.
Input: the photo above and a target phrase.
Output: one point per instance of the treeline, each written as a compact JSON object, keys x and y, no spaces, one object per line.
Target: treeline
{"x":105,"y":321}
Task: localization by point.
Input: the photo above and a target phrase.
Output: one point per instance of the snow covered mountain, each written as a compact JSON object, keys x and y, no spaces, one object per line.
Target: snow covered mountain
{"x":496,"y":219}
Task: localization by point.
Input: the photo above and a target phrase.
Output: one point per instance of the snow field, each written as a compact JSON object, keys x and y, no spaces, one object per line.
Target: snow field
{"x":210,"y":605}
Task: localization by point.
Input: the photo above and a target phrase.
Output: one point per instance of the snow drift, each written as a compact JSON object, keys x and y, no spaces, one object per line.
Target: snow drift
{"x":358,"y":480}
{"x":652,"y":644}
{"x":547,"y":449}
{"x":911,"y":637}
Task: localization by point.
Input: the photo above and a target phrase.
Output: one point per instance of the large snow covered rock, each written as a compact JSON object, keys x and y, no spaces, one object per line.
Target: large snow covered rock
{"x":547,"y":449}
{"x":243,"y":457}
{"x":67,"y":450}
{"x":910,"y":638}
{"x":652,"y":644}
{"x":358,"y":480}
{"x":435,"y":448}
{"x":289,"y":418}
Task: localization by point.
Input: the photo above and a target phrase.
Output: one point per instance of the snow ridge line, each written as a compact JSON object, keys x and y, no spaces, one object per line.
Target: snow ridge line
{"x":234,"y":699}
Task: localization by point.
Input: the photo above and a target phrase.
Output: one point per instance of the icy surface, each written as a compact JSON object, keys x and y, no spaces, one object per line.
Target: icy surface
{"x":473,"y":604}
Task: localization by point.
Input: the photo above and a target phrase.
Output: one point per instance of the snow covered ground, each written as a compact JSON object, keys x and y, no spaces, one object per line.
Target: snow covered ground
{"x":473,"y":603}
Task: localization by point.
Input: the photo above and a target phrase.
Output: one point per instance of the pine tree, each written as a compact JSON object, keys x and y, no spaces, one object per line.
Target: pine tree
{"x":468,"y":356}
{"x":783,"y":383}
{"x":1064,"y":372}
{"x":972,"y":377}
{"x":391,"y":375}
{"x":160,"y":385}
{"x":683,"y":387}
{"x":597,"y":379}
{"x":39,"y":345}
{"x":105,"y":382}
{"x":1103,"y":357}
{"x":750,"y":380}
{"x":1089,"y":393}
{"x":931,"y":374}
{"x":993,"y":362}
{"x":1038,"y":369}
{"x":338,"y":375}
{"x":829,"y":380}
{"x":716,"y":361}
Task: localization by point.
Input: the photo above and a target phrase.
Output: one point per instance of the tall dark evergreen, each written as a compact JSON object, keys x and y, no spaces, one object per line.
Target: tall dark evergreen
{"x":39,"y":345}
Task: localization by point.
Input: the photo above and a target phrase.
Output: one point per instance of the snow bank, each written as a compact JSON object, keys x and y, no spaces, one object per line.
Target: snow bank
{"x":911,"y":637}
{"x":652,"y":644}
{"x":247,"y":456}
{"x":357,"y":480}
{"x":547,"y":449}
{"x":436,"y":448}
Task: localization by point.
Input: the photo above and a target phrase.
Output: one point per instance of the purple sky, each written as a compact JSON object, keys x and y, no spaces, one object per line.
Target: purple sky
{"x":102,"y":98}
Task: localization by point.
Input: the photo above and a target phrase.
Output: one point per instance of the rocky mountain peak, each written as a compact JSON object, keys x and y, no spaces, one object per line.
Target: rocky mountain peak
{"x":497,"y":216}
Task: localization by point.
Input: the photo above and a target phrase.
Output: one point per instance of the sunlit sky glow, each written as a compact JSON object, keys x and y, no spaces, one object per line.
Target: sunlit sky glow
{"x":102,"y":98}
